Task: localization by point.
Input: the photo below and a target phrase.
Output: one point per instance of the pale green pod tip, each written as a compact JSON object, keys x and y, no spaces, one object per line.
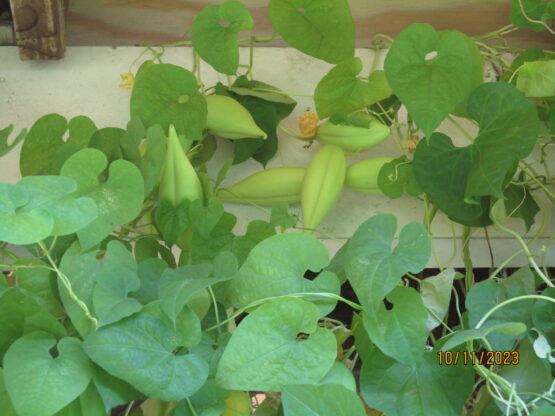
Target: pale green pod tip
{"x":228,"y":118}
{"x":363,"y":176}
{"x":323,"y":183}
{"x":180,"y":181}
{"x":267,"y":187}
{"x":353,"y":139}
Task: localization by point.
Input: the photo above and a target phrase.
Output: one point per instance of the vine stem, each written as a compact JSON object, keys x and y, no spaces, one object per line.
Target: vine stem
{"x":191,"y":408}
{"x":282,"y":92}
{"x":291,"y":133}
{"x":469,"y":275}
{"x":429,"y":217}
{"x":526,"y":251}
{"x":129,"y":407}
{"x":217,"y":314}
{"x":507,"y":302}
{"x":540,"y":22}
{"x":26,"y":266}
{"x":533,"y":176}
{"x":496,"y":33}
{"x":65,"y":281}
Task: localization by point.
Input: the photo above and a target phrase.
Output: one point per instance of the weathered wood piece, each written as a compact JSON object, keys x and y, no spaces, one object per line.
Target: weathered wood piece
{"x":39,"y":27}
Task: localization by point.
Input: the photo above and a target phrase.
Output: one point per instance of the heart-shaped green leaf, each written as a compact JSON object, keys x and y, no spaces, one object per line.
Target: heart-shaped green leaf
{"x":39,"y":384}
{"x":177,"y":286}
{"x":397,"y":177}
{"x":265,"y":352}
{"x":485,"y":295}
{"x":429,"y":389}
{"x":119,"y":199}
{"x":152,"y":161}
{"x":372,"y":267}
{"x":340,"y":374}
{"x":340,"y":90}
{"x":436,"y":294}
{"x":172,"y":220}
{"x":458,"y":179}
{"x":276,"y":266}
{"x":442,"y":171}
{"x":206,"y":217}
{"x":520,"y":203}
{"x":143,"y":350}
{"x":40,"y":206}
{"x":156,"y":99}
{"x":44,"y":150}
{"x":323,"y":400}
{"x":108,"y":141}
{"x":214,"y":34}
{"x":44,"y":139}
{"x":312,"y":26}
{"x":432,"y":72}
{"x":537,"y":78}
{"x":117,"y":278}
{"x":401,"y":331}
{"x":20,"y":314}
{"x":509,"y":128}
{"x":4,"y":134}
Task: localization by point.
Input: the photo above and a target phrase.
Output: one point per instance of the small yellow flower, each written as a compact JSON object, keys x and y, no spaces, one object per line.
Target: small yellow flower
{"x":409,"y":145}
{"x":129,"y":80}
{"x":308,"y":124}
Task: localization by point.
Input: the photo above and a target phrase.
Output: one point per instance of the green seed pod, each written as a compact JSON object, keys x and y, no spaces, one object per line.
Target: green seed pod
{"x":228,"y":118}
{"x":179,"y":179}
{"x":353,"y":139}
{"x":322,"y":185}
{"x":267,"y":187}
{"x":363,"y":176}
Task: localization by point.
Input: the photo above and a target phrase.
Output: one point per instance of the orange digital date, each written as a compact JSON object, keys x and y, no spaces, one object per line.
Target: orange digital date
{"x":482,"y":358}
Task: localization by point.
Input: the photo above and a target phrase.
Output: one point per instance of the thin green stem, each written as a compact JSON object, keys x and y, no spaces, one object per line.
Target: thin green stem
{"x":509,"y":301}
{"x":260,"y":39}
{"x":26,"y":266}
{"x":190,"y":405}
{"x":328,"y":236}
{"x":495,"y":33}
{"x":469,"y":272}
{"x":526,"y":251}
{"x":529,"y":169}
{"x":428,"y":218}
{"x":375,"y":61}
{"x":455,"y":250}
{"x":129,"y":407}
{"x":65,"y":281}
{"x":502,"y":265}
{"x":216,"y":312}
{"x":437,"y":318}
{"x":291,"y":133}
{"x":282,"y":92}
{"x":540,"y":22}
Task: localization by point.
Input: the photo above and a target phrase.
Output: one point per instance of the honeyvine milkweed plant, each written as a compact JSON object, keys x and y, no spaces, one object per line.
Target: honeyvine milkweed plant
{"x":101,"y":316}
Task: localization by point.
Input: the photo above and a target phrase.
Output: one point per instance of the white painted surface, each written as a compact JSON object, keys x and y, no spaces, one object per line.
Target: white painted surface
{"x":86,"y":82}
